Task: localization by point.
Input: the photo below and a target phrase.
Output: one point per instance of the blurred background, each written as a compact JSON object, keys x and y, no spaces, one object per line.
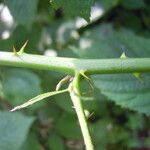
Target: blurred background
{"x":68,"y":30}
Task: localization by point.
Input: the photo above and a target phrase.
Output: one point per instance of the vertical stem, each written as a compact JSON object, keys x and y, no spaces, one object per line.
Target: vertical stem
{"x":74,"y":93}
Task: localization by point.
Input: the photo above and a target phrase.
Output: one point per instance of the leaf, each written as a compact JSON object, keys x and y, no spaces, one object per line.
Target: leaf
{"x":65,"y":33}
{"x":75,"y":8}
{"x":20,"y":85}
{"x":38,"y":98}
{"x":64,"y":102}
{"x":6,"y":44}
{"x":55,"y":142}
{"x":133,"y":4}
{"x":1,"y":90}
{"x":105,"y":130}
{"x":126,"y":91}
{"x":123,"y":89}
{"x":21,"y":34}
{"x":13,"y":128}
{"x":31,"y":143}
{"x":135,"y":122}
{"x":68,"y":126}
{"x":24,"y":12}
{"x":147,"y":142}
{"x":108,"y":4}
{"x":133,"y":143}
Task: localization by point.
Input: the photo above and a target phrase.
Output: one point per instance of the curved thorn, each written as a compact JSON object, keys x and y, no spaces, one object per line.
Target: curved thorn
{"x":82,"y":72}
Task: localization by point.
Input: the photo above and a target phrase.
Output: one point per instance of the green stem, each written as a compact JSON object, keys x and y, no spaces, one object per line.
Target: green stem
{"x":69,"y":65}
{"x":74,"y":93}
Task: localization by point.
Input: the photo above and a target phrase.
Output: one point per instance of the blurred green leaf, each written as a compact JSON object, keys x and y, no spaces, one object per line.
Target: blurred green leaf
{"x":74,"y":8}
{"x":133,"y":4}
{"x":136,"y":122}
{"x":124,"y":89}
{"x":106,"y":42}
{"x":20,"y":85}
{"x":130,"y":20}
{"x":31,"y":143}
{"x":65,"y":33}
{"x":55,"y":142}
{"x":24,"y":12}
{"x":106,"y":132}
{"x":50,"y":111}
{"x":147,"y":142}
{"x":108,"y":4}
{"x":13,"y":128}
{"x":133,"y":143}
{"x":64,"y":102}
{"x":68,"y":126}
{"x":1,"y":90}
{"x":6,"y":44}
{"x":21,"y":34}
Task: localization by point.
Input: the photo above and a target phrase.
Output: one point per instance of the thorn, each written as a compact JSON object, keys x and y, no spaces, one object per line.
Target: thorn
{"x":82,"y":72}
{"x":14,"y":51}
{"x":90,"y":115}
{"x":137,"y":75}
{"x":21,"y":51}
{"x":123,"y":55}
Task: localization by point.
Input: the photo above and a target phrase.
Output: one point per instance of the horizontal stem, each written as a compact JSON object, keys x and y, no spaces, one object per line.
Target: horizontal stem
{"x":35,"y":62}
{"x":69,"y":65}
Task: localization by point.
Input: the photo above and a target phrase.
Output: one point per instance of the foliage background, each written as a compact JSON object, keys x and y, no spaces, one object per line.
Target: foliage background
{"x":56,"y":29}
